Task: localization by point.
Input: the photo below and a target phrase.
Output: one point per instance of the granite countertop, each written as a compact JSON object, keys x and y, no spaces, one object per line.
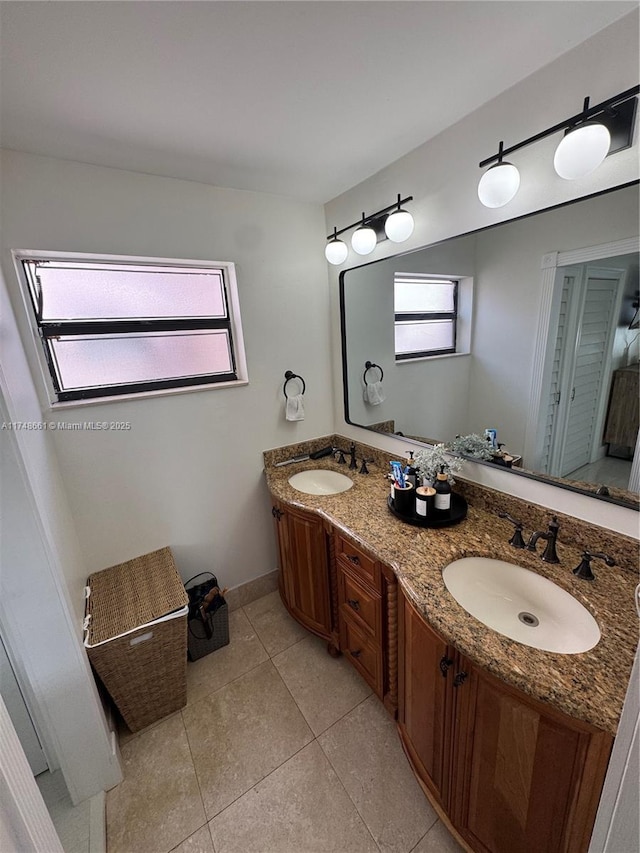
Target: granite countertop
{"x":590,"y":686}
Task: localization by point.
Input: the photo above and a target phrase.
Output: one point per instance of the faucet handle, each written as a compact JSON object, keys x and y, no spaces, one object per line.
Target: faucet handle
{"x":583,"y":570}
{"x":364,"y":469}
{"x":516,"y":540}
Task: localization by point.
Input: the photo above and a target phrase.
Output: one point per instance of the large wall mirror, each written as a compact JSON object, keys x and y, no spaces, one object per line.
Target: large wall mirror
{"x":547,"y":344}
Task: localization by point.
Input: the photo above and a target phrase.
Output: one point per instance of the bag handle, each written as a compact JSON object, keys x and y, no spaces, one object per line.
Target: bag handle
{"x":198,"y":576}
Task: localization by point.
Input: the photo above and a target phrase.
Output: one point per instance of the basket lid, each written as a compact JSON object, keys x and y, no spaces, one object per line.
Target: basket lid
{"x":132,"y":594}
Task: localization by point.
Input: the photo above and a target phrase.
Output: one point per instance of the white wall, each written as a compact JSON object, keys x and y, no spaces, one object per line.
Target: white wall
{"x":41,"y":580}
{"x":189,"y":472}
{"x":443,"y":174}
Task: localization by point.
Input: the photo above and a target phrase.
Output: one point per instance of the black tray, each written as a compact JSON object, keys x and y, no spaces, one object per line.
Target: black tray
{"x":456,"y":514}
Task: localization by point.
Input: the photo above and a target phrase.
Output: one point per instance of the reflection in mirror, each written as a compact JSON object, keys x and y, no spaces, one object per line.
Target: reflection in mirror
{"x":571,"y":344}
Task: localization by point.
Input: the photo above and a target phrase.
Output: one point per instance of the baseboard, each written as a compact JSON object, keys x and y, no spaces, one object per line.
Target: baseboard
{"x":98,"y":823}
{"x":247,"y":592}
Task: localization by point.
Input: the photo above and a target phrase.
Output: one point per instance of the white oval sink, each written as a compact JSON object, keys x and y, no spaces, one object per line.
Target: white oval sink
{"x":320,"y":481}
{"x":521,"y":605}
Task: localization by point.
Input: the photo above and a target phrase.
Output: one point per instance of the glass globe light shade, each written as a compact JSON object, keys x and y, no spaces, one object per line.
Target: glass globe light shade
{"x":498,"y":185}
{"x":582,"y":150}
{"x":336,"y":251}
{"x":398,"y":226}
{"x":364,"y":240}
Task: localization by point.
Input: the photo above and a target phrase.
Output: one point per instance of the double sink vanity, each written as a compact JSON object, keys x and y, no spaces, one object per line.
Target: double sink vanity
{"x":506,"y":674}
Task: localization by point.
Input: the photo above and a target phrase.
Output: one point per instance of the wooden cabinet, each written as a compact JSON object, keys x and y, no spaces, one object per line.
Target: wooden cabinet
{"x":425,"y":707}
{"x":623,"y":412}
{"x":367,"y":618}
{"x":304,"y":544}
{"x":512,"y":774}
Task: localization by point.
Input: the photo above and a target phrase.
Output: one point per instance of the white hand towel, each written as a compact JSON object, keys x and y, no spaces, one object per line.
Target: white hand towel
{"x":295,"y":409}
{"x":373,"y":393}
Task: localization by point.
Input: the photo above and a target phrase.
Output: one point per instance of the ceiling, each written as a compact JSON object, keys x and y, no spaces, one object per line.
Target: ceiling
{"x":304,"y":99}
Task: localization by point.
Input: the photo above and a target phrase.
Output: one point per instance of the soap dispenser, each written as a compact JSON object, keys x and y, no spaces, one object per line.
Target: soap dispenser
{"x":443,"y":492}
{"x":410,"y":471}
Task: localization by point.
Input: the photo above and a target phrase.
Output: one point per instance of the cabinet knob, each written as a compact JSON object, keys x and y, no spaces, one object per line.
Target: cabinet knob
{"x":445,"y":663}
{"x":353,"y":603}
{"x":353,"y":559}
{"x":356,"y":653}
{"x":460,"y":678}
{"x":276,"y":513}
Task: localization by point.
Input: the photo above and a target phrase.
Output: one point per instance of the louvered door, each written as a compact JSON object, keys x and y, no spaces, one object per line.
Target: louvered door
{"x":593,"y":346}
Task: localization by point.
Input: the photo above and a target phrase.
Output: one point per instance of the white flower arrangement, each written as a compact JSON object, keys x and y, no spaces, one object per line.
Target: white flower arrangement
{"x":472,"y":445}
{"x":433,"y":459}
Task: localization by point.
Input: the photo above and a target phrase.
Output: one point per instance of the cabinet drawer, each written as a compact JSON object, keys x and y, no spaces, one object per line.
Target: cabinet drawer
{"x":360,"y":563}
{"x":363,"y":653}
{"x":360,"y":603}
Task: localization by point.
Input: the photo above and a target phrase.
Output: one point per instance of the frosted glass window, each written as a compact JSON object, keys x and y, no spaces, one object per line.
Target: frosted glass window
{"x":112,"y":325}
{"x":425,"y":315}
{"x":112,"y":360}
{"x":110,"y":291}
{"x":424,"y":336}
{"x":418,"y":295}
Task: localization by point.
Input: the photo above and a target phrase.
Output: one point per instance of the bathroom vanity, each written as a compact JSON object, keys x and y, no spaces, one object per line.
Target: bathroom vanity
{"x":510,"y":743}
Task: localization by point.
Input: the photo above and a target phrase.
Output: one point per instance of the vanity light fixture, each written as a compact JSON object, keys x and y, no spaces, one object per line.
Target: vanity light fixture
{"x":583,"y":147}
{"x":589,"y":137}
{"x":399,"y":224}
{"x":364,"y":239}
{"x":391,"y":223}
{"x":336,"y":251}
{"x":499,"y":183}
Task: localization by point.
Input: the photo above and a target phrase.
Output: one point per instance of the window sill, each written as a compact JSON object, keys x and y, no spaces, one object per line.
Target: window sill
{"x":431,"y":358}
{"x":142,"y":395}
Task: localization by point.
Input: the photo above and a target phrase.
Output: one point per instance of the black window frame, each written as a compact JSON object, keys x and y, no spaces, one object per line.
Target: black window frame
{"x":47,"y":330}
{"x":429,"y":315}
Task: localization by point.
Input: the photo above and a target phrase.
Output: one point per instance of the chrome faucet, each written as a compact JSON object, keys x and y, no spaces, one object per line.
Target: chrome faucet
{"x":584,"y":569}
{"x":549,"y":554}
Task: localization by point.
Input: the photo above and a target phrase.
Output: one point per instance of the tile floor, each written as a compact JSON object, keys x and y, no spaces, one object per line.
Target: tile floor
{"x":611,"y":471}
{"x":280,"y":749}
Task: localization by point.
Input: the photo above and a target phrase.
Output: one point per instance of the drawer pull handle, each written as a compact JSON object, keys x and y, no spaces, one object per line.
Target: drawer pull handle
{"x":460,"y":678}
{"x":353,"y":559}
{"x":445,"y":663}
{"x":353,"y":603}
{"x":355,"y":654}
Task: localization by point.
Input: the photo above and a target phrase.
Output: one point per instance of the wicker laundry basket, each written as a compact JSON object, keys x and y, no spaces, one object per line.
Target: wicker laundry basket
{"x":136,"y":636}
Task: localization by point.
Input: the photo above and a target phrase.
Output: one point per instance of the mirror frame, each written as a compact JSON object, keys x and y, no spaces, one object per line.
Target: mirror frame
{"x":632,"y":503}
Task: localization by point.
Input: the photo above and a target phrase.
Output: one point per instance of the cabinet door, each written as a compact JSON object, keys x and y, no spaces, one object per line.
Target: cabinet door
{"x":302,"y":545}
{"x":363,"y":652}
{"x":426,"y":671}
{"x":527,"y":778}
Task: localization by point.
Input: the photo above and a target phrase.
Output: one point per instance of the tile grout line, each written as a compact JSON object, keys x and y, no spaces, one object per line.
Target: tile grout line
{"x":195,"y":773}
{"x":338,"y":775}
{"x":316,"y":739}
{"x":259,"y":782}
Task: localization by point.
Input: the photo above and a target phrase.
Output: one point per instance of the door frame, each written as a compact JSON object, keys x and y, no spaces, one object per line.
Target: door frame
{"x":550,"y":264}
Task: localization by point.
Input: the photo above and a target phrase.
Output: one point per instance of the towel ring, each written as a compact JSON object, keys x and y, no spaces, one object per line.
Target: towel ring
{"x":367,"y":366}
{"x":288,"y":376}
